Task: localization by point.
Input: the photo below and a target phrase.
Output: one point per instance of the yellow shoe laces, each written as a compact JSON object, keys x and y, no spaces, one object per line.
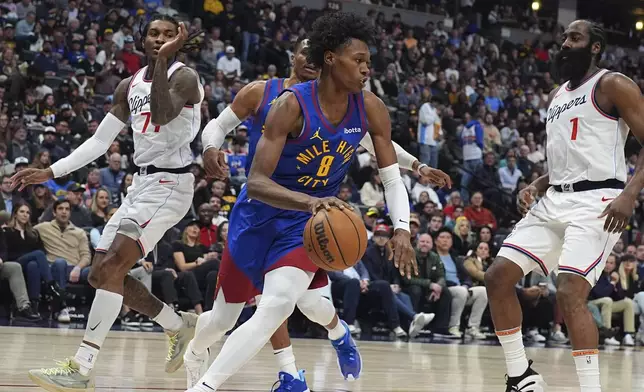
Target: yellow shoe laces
{"x":173,"y":344}
{"x":64,"y":368}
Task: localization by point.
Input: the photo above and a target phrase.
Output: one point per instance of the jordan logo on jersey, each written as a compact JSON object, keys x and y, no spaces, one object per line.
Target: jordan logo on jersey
{"x":316,"y":135}
{"x":555,"y":111}
{"x":137,"y":103}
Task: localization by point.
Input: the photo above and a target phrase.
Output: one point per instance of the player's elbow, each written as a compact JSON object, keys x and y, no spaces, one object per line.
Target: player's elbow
{"x":159,"y":119}
{"x":254,"y":186}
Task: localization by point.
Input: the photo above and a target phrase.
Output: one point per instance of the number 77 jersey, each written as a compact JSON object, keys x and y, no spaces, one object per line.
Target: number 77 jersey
{"x":584,"y":142}
{"x":316,"y":162}
{"x":166,"y":146}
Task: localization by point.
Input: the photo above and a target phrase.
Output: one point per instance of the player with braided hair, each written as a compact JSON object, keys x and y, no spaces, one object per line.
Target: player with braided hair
{"x":163,"y":101}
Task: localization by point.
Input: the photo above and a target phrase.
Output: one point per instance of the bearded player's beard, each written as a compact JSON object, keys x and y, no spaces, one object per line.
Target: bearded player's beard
{"x":573,"y":64}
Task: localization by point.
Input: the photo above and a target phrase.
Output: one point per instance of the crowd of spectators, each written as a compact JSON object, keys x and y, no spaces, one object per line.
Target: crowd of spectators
{"x":462,"y":101}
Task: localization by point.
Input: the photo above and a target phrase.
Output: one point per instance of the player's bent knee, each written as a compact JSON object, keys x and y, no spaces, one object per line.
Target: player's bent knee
{"x":572,"y":292}
{"x":502,"y":275}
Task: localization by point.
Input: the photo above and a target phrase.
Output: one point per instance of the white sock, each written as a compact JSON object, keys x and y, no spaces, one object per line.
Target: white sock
{"x":168,"y":319}
{"x":512,"y":342}
{"x":337,"y":332}
{"x":286,"y":361}
{"x":587,"y":364}
{"x":105,"y":309}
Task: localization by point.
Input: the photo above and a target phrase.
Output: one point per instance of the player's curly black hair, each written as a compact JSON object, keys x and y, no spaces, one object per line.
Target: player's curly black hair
{"x":192,"y":43}
{"x":334,"y":30}
{"x":597,"y":34}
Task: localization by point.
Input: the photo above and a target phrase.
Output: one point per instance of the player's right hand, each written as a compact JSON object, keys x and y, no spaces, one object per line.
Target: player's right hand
{"x":316,"y":204}
{"x":214,"y":161}
{"x":525,"y":198}
{"x":402,"y":253}
{"x":29,"y":177}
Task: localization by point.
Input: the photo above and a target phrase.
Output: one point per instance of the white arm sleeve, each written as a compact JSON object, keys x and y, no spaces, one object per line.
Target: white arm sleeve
{"x":396,"y":196}
{"x":405,"y":159}
{"x":92,"y":148}
{"x":215,"y":132}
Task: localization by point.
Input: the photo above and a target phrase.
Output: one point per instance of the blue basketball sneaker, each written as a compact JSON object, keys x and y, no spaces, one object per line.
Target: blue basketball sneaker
{"x":288,"y":383}
{"x":349,"y":360}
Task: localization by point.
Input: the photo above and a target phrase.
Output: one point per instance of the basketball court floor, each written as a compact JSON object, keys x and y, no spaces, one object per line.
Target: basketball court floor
{"x":133,"y":361}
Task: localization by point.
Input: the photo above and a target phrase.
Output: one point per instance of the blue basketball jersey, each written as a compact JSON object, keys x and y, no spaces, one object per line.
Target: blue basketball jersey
{"x":272,"y":89}
{"x":317,"y":161}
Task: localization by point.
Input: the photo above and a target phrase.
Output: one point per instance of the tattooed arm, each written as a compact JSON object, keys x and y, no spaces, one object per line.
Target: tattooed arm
{"x":168,"y":97}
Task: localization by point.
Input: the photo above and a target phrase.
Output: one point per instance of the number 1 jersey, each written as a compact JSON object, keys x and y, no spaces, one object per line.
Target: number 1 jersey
{"x":165,"y":146}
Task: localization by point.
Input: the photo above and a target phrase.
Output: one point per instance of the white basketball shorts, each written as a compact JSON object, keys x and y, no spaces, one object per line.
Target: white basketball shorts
{"x":154,"y":203}
{"x":563,"y":231}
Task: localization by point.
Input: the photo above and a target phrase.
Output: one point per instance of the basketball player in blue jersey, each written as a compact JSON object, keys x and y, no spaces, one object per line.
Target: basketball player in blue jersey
{"x":310,"y":136}
{"x":255,"y":100}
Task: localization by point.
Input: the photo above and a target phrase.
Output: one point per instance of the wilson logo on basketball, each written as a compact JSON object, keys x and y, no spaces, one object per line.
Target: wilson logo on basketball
{"x":323,"y":241}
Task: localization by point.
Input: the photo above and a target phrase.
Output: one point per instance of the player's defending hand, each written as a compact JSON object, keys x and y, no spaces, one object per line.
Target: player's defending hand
{"x":29,"y":177}
{"x":402,"y":253}
{"x":618,"y":213}
{"x":525,"y":198}
{"x":171,"y":47}
{"x":436,"y":177}
{"x":327,"y":203}
{"x":214,"y":161}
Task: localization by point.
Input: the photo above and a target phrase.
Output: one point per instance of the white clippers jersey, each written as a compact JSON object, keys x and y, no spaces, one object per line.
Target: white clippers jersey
{"x":584,"y":143}
{"x":166,"y":146}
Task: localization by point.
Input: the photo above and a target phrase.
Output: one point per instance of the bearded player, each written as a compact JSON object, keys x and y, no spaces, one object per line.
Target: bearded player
{"x":586,"y":206}
{"x":163,"y":101}
{"x":255,"y":100}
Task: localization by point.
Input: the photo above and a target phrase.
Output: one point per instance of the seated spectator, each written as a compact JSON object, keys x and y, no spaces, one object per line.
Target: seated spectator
{"x":423,"y":185}
{"x":66,"y":247}
{"x":453,"y":202}
{"x":536,"y":294}
{"x":370,"y":217}
{"x":125,"y":184}
{"x":479,"y":215}
{"x":451,"y":222}
{"x":99,"y":207}
{"x":423,"y":198}
{"x":40,"y":199}
{"x":460,"y":286}
{"x":8,"y":197}
{"x":112,"y":176}
{"x":485,"y":235}
{"x":633,"y":287}
{"x":93,"y":185}
{"x":80,"y":215}
{"x":510,"y":174}
{"x":610,"y":297}
{"x":435,"y":223}
{"x":25,"y":247}
{"x":12,"y":273}
{"x":476,"y":263}
{"x":428,"y":291}
{"x":372,"y":193}
{"x":190,"y":255}
{"x":207,"y":229}
{"x":461,"y":240}
{"x":217,"y":219}
{"x":379,"y":266}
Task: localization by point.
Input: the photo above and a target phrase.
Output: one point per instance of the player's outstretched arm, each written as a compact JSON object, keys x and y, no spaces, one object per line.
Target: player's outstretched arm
{"x":91,"y":149}
{"x":284,"y":117}
{"x":395,"y":192}
{"x":628,"y":99}
{"x":168,"y":97}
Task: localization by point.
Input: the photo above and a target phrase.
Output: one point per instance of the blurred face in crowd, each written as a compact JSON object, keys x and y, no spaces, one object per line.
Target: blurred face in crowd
{"x":128,"y":180}
{"x":94,"y":177}
{"x":380,"y":238}
{"x":4,"y":121}
{"x":92,"y":127}
{"x":631,"y":250}
{"x":215,"y":203}
{"x":429,"y":208}
{"x":6,"y":185}
{"x":159,"y":32}
{"x":20,"y":135}
{"x":413,"y":229}
{"x":344,"y":194}
{"x":458,"y":211}
{"x":23,"y":214}
{"x":455,"y":199}
{"x":577,"y":52}
{"x":611,"y":263}
{"x":102,"y":199}
{"x":490,"y":159}
{"x":74,"y":198}
{"x":512,"y":162}
{"x":483,"y":250}
{"x":477,"y":199}
{"x":423,"y":197}
{"x":639,"y":252}
{"x":61,"y":214}
{"x":115,"y":162}
{"x":50,"y":100}
{"x":485,"y":234}
{"x":192,"y":231}
{"x":425,"y":243}
{"x":489,"y":120}
{"x":436,"y":223}
{"x":304,"y":71}
{"x":90,"y":51}
{"x":218,"y":188}
{"x":349,"y":65}
{"x":223,"y":230}
{"x":619,"y":246}
{"x":629,"y":266}
{"x":524,"y":151}
{"x":115,"y":147}
{"x":206,"y":213}
{"x":463,"y":228}
{"x":444,"y":241}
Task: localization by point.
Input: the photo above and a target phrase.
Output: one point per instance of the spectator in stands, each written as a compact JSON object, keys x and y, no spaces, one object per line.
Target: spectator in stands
{"x":50,"y":144}
{"x":99,"y":207}
{"x":429,"y":131}
{"x":633,"y":287}
{"x":461,"y":240}
{"x":190,"y":255}
{"x":460,"y":286}
{"x":372,"y":193}
{"x":345,"y":194}
{"x":96,"y":232}
{"x":510,"y":174}
{"x":428,"y":291}
{"x":380,"y":268}
{"x":523,"y":163}
{"x":9,"y":197}
{"x":370,"y":217}
{"x":608,"y":294}
{"x":66,"y":247}
{"x":423,"y":185}
{"x":414,"y":227}
{"x":25,"y":248}
{"x":229,"y":64}
{"x":472,"y":142}
{"x":536,"y":294}
{"x":112,"y":176}
{"x":618,"y":249}
{"x":217,"y":219}
{"x":21,"y":147}
{"x":207,"y":229}
{"x":6,"y":168}
{"x":436,"y":223}
{"x":12,"y":272}
{"x":80,"y":214}
{"x":479,"y":215}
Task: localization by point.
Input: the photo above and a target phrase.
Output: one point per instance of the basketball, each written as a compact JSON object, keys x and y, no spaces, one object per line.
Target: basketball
{"x":336,"y":239}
